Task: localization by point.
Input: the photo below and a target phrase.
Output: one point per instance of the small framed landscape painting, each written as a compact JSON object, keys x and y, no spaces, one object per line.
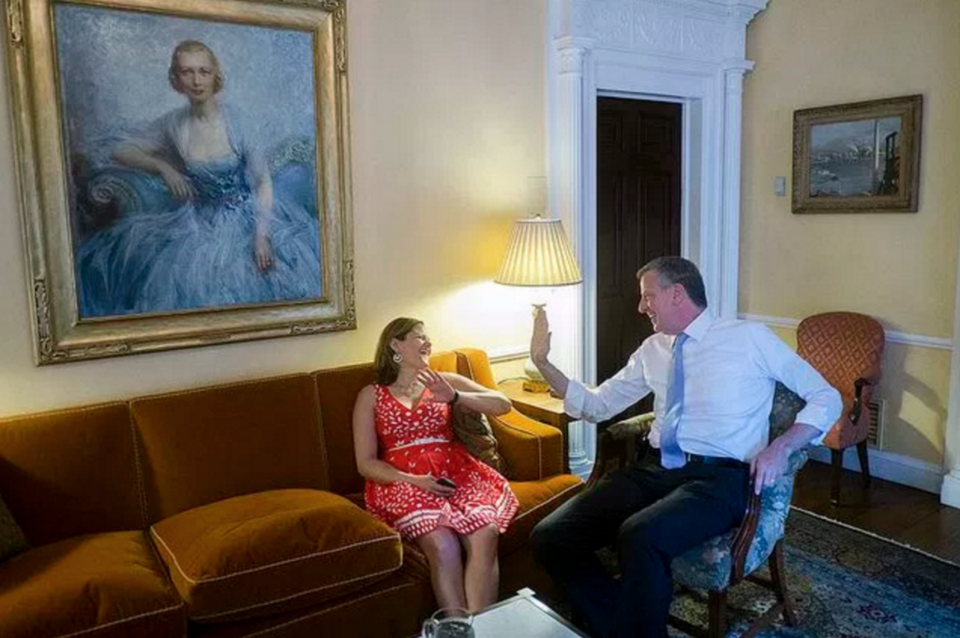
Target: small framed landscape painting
{"x":862,"y":157}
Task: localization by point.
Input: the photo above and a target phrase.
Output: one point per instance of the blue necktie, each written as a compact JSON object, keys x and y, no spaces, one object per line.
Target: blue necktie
{"x":671,"y":456}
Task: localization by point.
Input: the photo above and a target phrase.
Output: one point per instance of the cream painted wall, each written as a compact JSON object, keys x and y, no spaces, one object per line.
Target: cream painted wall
{"x":447,"y":111}
{"x":900,"y":268}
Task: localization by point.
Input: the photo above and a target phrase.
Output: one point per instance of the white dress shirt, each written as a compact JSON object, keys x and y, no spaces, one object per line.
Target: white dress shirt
{"x":730,"y":370}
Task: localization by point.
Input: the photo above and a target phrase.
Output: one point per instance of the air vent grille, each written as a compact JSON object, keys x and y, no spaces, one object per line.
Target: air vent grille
{"x":878,"y":408}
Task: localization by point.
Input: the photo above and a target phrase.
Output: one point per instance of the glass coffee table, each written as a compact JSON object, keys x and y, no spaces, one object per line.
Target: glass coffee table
{"x":523,"y":615}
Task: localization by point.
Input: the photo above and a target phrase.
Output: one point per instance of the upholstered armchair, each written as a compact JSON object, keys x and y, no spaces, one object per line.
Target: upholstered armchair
{"x":846,"y":348}
{"x":725,"y":560}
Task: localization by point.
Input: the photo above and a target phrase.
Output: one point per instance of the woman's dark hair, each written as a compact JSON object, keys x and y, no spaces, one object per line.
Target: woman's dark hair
{"x":677,"y":270}
{"x":388,"y":369}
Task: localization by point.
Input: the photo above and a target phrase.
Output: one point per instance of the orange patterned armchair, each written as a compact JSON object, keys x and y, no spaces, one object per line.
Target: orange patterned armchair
{"x":846,"y":348}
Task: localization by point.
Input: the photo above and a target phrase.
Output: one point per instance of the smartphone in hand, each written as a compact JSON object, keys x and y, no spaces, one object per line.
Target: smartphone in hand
{"x":443,"y":480}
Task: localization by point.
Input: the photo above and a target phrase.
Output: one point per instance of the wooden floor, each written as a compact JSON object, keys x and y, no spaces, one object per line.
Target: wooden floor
{"x":894,"y":511}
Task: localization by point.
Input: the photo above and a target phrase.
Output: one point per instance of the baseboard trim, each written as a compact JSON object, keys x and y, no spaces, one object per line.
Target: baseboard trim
{"x":923,"y":341}
{"x":892,"y":467}
{"x":950,"y":492}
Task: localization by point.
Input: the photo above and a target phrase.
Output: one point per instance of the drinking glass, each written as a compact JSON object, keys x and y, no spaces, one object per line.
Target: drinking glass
{"x":449,"y":622}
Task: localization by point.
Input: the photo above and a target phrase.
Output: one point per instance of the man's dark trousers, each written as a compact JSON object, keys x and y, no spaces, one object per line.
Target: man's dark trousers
{"x":649,"y":515}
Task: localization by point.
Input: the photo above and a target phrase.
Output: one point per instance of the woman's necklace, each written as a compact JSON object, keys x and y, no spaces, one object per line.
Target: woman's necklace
{"x":409,"y":390}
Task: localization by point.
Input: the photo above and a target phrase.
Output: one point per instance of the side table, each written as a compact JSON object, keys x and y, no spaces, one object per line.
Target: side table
{"x":542,"y":407}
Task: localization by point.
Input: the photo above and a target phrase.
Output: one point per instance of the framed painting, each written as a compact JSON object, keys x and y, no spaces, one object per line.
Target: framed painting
{"x":183,"y":170}
{"x":858,"y":158}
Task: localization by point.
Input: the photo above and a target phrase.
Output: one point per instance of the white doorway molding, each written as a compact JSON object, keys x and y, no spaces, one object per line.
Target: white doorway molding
{"x":687,"y":51}
{"x":950,"y":489}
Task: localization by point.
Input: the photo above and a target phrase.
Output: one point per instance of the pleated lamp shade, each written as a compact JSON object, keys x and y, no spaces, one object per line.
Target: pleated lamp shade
{"x":538,"y":255}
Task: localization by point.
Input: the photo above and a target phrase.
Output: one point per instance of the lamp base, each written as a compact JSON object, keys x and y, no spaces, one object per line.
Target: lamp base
{"x":534,"y":381}
{"x":535,"y":385}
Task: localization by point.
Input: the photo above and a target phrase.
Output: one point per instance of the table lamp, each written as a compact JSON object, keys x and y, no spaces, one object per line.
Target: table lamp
{"x":538,"y":255}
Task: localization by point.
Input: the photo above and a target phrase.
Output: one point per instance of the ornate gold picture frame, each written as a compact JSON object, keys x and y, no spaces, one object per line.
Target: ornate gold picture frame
{"x":862,"y":157}
{"x":183,"y":171}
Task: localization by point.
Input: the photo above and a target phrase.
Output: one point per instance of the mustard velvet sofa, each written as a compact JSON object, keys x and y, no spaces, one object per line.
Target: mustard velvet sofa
{"x":232,"y":511}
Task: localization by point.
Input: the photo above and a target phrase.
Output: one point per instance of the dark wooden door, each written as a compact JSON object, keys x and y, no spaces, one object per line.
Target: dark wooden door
{"x":638,"y":218}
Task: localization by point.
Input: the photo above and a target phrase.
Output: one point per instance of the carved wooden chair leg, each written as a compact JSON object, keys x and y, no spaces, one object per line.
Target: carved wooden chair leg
{"x":779,"y":581}
{"x":864,"y":463}
{"x":836,"y":458}
{"x":718,"y":614}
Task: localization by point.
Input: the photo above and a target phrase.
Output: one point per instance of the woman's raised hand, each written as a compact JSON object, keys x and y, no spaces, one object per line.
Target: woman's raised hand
{"x":440,"y":389}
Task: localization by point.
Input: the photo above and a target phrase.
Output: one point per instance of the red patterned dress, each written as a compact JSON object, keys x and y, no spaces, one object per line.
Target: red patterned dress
{"x":421,"y":441}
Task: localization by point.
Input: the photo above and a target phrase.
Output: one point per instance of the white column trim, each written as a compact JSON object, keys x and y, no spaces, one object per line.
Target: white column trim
{"x":729,"y":258}
{"x":950,"y":492}
{"x":572,"y":55}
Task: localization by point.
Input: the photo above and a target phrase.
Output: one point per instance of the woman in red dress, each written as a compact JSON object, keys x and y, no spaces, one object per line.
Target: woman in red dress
{"x":422,"y":481}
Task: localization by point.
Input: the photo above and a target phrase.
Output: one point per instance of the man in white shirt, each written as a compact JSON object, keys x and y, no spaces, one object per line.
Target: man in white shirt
{"x":713,"y":381}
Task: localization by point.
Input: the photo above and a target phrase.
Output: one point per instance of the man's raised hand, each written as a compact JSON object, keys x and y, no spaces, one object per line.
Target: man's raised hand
{"x":540,"y":341}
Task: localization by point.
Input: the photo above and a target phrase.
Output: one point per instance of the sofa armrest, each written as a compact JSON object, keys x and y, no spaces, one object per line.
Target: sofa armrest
{"x":532,"y":450}
{"x":129,"y":190}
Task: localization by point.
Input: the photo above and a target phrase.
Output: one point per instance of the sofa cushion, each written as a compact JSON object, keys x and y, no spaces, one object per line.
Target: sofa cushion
{"x":392,"y":607}
{"x":70,"y":472}
{"x":98,"y":585}
{"x":537,"y":499}
{"x":338,"y":389}
{"x":12,"y":540}
{"x":203,"y":446}
{"x":272,"y":552}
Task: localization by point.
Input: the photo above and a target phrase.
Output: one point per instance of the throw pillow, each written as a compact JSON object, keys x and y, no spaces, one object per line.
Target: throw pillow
{"x":473,"y":429}
{"x":12,"y":540}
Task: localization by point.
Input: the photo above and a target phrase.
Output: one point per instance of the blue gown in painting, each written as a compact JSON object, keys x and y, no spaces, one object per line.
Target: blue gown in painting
{"x":200,"y":253}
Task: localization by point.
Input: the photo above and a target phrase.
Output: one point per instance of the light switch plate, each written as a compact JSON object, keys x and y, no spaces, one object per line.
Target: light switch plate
{"x":780,"y":186}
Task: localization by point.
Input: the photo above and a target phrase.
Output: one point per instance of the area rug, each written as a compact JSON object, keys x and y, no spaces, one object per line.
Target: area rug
{"x":847,"y":584}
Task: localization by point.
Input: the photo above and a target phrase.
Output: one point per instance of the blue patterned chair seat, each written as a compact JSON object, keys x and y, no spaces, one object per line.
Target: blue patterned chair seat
{"x":710,"y":565}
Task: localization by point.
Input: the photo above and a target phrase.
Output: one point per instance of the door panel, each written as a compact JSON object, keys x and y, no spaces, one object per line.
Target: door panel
{"x":638,"y":218}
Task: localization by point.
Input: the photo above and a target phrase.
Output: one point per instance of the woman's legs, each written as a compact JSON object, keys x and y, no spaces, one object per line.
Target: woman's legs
{"x":442,"y":548}
{"x":482,"y":574}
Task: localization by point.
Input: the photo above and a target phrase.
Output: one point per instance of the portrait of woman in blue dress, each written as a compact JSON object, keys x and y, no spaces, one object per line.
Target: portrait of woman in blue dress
{"x":228,"y":236}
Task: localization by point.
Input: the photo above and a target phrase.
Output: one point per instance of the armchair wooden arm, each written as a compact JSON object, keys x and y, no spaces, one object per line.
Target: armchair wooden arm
{"x":743,"y":537}
{"x":857,"y":407}
{"x":618,"y":445}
